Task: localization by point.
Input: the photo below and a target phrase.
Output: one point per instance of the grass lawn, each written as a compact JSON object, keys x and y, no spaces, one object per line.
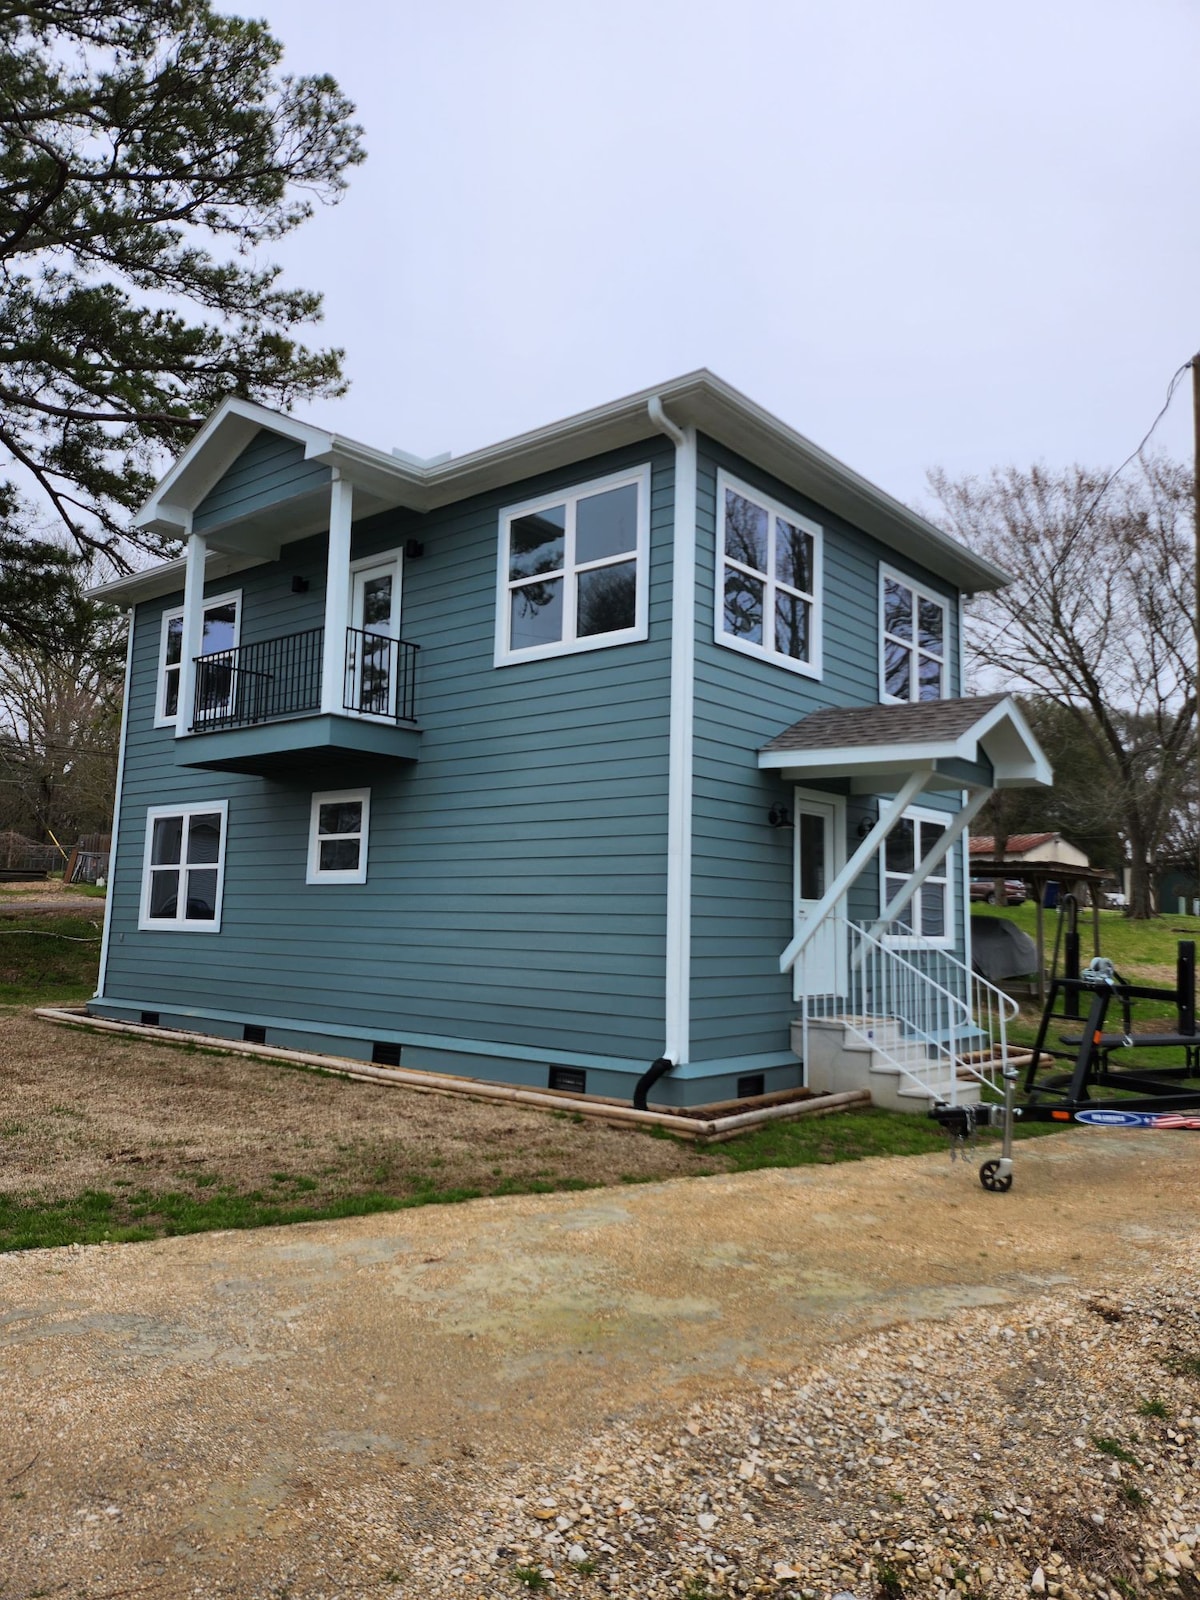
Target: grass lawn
{"x":115,"y":1137}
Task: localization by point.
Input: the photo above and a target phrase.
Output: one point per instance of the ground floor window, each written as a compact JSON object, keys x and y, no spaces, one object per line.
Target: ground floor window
{"x":337,"y":837}
{"x":184,"y":867}
{"x":926,"y":918}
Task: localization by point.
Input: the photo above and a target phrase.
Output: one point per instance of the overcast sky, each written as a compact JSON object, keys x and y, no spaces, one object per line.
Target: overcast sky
{"x":922,"y":233}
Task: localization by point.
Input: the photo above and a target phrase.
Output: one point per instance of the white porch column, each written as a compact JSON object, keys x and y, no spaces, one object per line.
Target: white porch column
{"x":337,"y":596}
{"x":192,"y":641}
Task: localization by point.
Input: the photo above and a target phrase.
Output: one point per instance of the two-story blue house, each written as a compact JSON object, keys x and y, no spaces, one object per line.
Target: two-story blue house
{"x":627,"y":741}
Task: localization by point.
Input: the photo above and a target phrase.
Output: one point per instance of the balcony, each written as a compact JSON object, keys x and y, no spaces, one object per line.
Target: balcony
{"x":260,"y":708}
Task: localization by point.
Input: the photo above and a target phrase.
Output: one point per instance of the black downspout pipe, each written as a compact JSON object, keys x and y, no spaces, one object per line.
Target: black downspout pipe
{"x":648,"y":1079}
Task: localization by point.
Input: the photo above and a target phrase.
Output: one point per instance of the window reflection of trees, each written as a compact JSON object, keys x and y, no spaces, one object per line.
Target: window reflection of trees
{"x":607,"y":599}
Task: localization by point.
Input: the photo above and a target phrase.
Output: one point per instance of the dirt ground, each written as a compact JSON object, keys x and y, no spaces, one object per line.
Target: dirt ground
{"x":297,"y":1412}
{"x":82,"y":1111}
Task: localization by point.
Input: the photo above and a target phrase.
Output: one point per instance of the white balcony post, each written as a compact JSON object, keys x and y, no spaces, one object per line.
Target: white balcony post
{"x":337,"y":596}
{"x":192,"y":641}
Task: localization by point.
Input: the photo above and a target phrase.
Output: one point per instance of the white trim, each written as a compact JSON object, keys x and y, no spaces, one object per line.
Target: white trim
{"x":835,"y":803}
{"x":106,"y":932}
{"x":178,"y":923}
{"x":774,"y":508}
{"x":968,"y":954}
{"x":337,"y":595}
{"x":570,"y":643}
{"x":920,"y":941}
{"x":358,"y":874}
{"x":920,"y":592}
{"x":161,"y":719}
{"x":678,"y":1017}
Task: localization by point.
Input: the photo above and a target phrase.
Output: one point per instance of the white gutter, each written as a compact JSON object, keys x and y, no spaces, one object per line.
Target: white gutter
{"x":677,"y":1033}
{"x":112,"y":844}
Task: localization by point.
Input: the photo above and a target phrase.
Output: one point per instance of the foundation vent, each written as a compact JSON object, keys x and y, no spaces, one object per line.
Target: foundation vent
{"x":254,"y":1033}
{"x":149,"y":1019}
{"x":751,"y":1086}
{"x":384,"y":1054}
{"x":571,"y":1080}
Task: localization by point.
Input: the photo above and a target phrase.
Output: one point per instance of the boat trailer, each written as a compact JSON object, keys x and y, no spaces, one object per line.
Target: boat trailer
{"x":1088,"y":1060}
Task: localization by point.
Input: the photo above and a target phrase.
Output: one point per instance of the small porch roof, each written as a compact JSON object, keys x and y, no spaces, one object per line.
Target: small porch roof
{"x":981,"y":742}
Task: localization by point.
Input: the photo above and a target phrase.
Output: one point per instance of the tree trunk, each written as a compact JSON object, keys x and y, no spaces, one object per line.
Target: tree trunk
{"x":1141,"y":906}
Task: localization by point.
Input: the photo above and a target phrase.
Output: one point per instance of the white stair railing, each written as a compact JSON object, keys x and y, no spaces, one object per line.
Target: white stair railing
{"x":921,"y":1009}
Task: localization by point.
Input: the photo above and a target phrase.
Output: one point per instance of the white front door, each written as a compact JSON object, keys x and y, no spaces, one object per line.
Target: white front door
{"x":372,"y":654}
{"x":820,"y":855}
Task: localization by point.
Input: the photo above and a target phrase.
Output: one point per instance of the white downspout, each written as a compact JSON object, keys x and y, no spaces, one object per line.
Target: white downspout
{"x":116,"y":823}
{"x":677,"y":1037}
{"x":966,"y":865}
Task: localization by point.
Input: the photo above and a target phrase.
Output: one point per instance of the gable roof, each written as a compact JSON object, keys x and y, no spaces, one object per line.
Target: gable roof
{"x":385,"y":479}
{"x":985,"y":844}
{"x":980,"y":742}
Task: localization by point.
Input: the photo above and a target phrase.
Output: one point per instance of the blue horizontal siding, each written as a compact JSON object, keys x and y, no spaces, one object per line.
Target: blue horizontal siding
{"x":517,"y":872}
{"x":269,"y":470}
{"x":742,"y":868}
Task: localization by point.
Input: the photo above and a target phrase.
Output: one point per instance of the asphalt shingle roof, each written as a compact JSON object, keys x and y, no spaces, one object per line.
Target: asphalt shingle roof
{"x":843,"y":727}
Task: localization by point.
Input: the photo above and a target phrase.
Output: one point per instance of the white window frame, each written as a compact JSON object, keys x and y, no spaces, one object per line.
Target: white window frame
{"x":766,"y":652}
{"x":570,"y":644}
{"x":944,"y":875}
{"x":234,"y":598}
{"x":181,"y":923}
{"x":336,"y":797}
{"x":915,"y":653}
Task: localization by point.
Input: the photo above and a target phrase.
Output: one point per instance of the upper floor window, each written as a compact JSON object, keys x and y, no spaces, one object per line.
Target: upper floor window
{"x":573,"y":569}
{"x":915,"y":641}
{"x":222,"y":617}
{"x":926,"y":918}
{"x":184,"y":867}
{"x":768,"y":578}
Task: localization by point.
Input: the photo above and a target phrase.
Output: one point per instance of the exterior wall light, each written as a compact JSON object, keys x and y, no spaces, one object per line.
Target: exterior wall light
{"x":779,"y":817}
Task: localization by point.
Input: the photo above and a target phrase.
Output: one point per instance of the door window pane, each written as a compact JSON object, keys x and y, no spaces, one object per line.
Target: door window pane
{"x":220,"y":628}
{"x":812,"y":855}
{"x":606,"y":525}
{"x":377,"y":601}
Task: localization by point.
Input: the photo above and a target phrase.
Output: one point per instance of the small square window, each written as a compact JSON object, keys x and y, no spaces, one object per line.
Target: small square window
{"x":337,"y":838}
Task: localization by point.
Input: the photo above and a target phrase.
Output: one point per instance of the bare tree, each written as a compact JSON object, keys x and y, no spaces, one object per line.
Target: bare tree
{"x":1100,"y":619}
{"x":60,"y":712}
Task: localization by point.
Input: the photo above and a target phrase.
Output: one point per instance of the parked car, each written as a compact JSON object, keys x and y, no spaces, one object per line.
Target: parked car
{"x":985,"y":889}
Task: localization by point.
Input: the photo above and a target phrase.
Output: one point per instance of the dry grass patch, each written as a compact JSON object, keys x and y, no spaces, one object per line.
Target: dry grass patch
{"x":140,"y":1123}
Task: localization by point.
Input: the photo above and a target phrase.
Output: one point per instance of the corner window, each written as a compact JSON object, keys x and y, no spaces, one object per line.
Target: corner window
{"x":573,"y":570}
{"x":337,"y":836}
{"x":915,"y":639}
{"x":221,"y":628}
{"x":768,"y":578}
{"x":927,"y":917}
{"x":184,"y":867}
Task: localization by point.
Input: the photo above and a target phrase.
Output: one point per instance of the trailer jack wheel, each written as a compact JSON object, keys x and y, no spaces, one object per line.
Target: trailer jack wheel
{"x":996,"y":1176}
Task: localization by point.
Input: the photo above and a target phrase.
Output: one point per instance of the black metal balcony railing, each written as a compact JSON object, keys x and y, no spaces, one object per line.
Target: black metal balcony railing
{"x":380,"y":676}
{"x":278,"y":678}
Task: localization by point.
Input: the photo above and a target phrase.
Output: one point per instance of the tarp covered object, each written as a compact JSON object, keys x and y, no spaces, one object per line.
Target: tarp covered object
{"x":999,"y":949}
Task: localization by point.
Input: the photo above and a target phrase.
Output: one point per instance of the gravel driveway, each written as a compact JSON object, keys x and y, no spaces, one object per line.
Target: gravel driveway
{"x":302,"y":1412}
